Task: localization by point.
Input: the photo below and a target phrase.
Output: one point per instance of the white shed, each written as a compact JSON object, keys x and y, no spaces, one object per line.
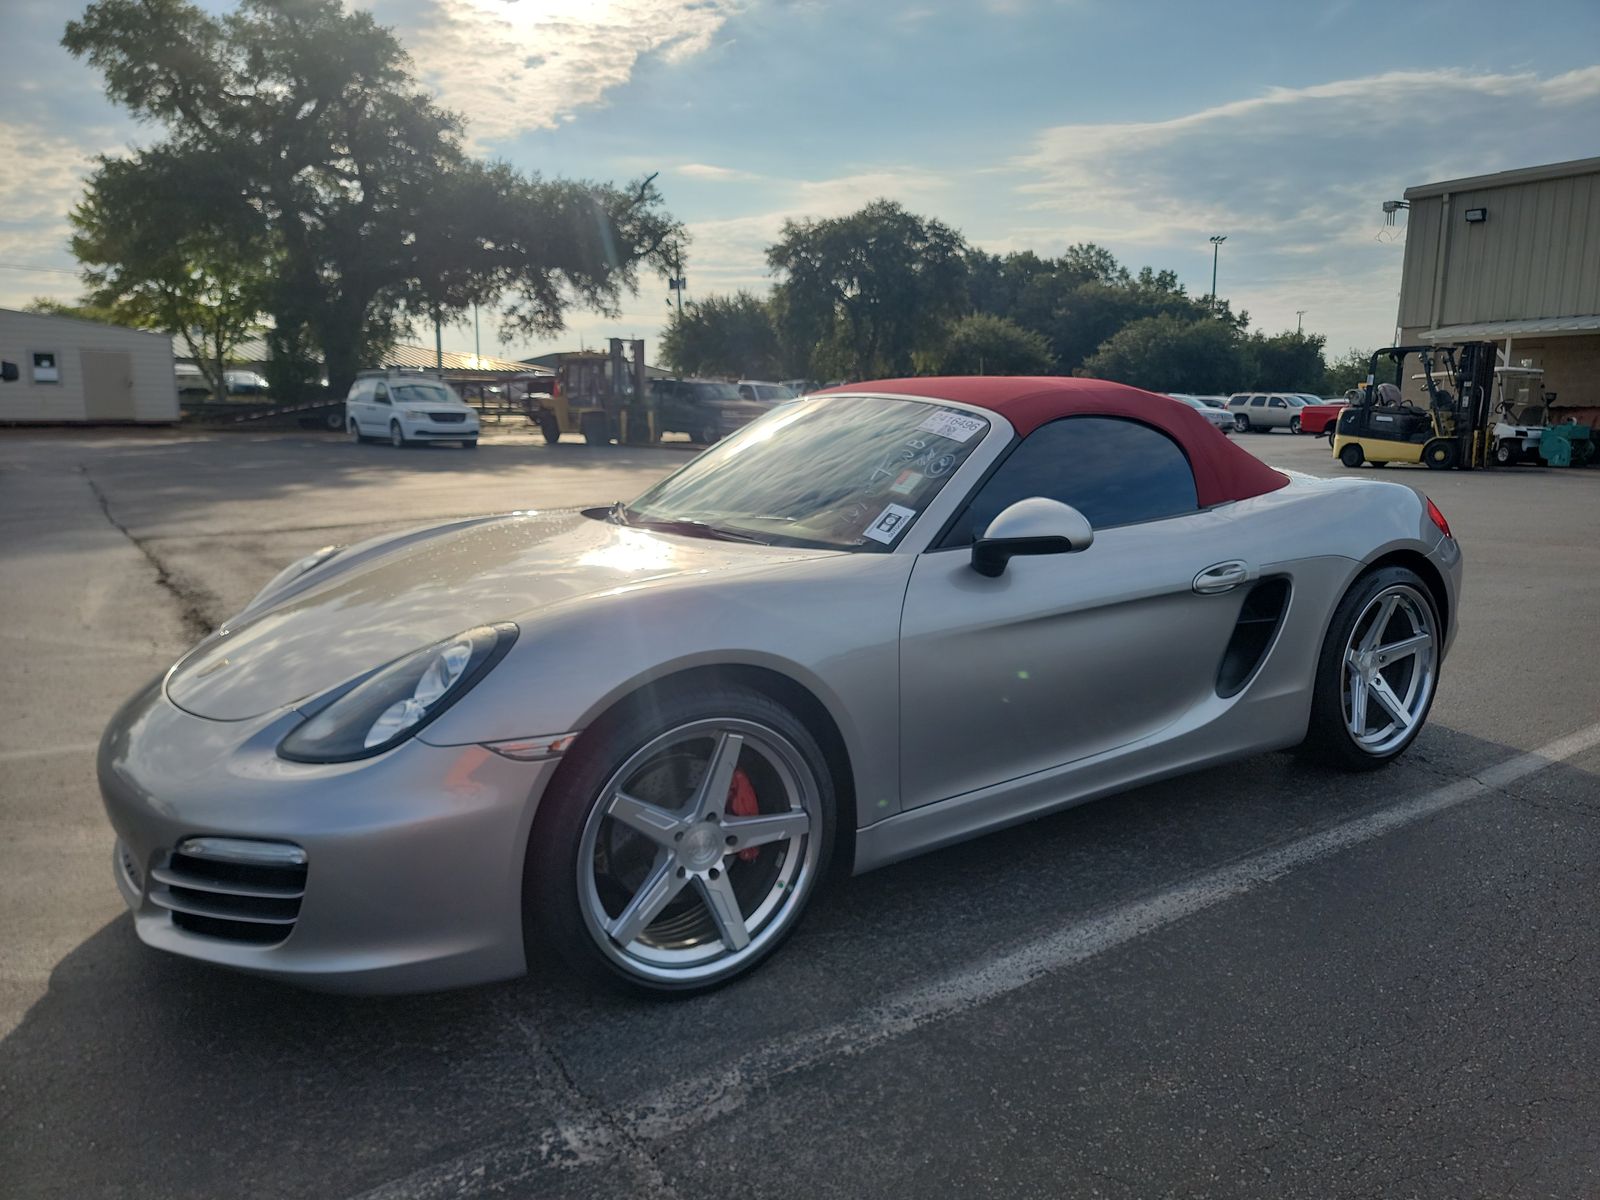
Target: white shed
{"x":72,"y":370}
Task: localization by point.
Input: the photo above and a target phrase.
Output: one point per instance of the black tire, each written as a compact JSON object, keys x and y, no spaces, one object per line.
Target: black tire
{"x":1329,"y":434}
{"x":334,"y":420}
{"x":1294,"y":424}
{"x":551,"y":429}
{"x":355,"y":434}
{"x":1506,"y":453}
{"x":1351,"y":455}
{"x":553,"y":916}
{"x":709,"y":434}
{"x":1439,"y":455}
{"x":1241,"y":423}
{"x":397,"y":436}
{"x":1328,"y":740}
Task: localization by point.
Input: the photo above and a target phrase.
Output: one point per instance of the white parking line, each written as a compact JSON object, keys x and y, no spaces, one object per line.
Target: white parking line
{"x":691,"y":1103}
{"x":47,"y":751}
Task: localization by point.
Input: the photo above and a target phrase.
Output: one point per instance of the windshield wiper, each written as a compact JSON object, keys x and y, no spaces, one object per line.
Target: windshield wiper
{"x":693,"y":529}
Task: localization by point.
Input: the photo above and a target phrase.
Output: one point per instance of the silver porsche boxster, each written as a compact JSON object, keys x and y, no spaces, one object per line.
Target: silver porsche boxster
{"x":879,"y":620}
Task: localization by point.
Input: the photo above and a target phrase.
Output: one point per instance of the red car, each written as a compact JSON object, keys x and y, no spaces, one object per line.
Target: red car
{"x":1317,"y":418}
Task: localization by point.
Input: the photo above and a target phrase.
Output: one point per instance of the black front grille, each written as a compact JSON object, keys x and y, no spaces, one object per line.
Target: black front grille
{"x":447,"y":418}
{"x":223,"y":898}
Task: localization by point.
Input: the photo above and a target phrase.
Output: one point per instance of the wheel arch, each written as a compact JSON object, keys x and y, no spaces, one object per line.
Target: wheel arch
{"x":1416,"y":561}
{"x":785,"y":690}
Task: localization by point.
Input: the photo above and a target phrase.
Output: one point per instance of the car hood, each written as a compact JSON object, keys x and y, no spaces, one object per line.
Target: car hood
{"x":374,"y":603}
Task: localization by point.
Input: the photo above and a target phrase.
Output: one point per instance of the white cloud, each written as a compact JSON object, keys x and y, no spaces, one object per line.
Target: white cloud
{"x":716,"y":174}
{"x":43,"y":182}
{"x":1295,"y":177}
{"x":512,"y":66}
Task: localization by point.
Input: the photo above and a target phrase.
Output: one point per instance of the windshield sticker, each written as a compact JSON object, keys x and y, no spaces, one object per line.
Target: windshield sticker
{"x":958,"y":427}
{"x":907,"y":483}
{"x":889,"y":524}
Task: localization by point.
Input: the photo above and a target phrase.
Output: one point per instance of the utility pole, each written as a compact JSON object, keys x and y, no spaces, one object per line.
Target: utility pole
{"x":1299,"y":318}
{"x":438,"y":341}
{"x":1216,"y":245}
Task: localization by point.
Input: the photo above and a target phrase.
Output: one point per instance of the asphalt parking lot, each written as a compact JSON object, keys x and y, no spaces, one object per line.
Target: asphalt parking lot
{"x":1263,"y":980}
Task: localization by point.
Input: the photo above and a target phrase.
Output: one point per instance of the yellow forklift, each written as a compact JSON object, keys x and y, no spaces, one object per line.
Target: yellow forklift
{"x":1446,"y":427}
{"x":605,"y":397}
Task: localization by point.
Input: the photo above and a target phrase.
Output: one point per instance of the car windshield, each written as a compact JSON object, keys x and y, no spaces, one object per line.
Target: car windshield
{"x":1296,"y":401}
{"x":842,"y":472}
{"x":423,"y":393}
{"x":715,"y":391}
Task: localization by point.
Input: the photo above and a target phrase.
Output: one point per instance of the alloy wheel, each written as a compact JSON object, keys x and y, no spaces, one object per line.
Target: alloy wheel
{"x":699,"y":851}
{"x":1390,"y":669}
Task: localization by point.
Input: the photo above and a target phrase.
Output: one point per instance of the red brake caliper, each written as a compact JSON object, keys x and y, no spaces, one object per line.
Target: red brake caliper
{"x":742,"y":803}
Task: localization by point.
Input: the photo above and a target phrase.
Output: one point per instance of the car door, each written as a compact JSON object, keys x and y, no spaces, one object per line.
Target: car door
{"x":1277,"y":412}
{"x":1069,"y":655}
{"x":353,"y":405}
{"x":379,"y":408}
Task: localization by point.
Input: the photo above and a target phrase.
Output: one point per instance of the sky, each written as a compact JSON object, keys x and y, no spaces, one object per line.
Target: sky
{"x":1146,"y":126}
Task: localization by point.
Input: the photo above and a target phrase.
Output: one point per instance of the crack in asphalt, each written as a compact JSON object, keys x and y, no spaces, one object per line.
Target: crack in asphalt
{"x":196,"y":605}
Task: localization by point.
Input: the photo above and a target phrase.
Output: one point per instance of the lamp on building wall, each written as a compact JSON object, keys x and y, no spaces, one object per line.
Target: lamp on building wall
{"x":1476,"y":216}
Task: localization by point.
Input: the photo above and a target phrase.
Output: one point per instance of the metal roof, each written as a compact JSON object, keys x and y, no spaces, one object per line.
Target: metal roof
{"x":1560,"y":170}
{"x":1536,"y":327}
{"x":254,"y":350}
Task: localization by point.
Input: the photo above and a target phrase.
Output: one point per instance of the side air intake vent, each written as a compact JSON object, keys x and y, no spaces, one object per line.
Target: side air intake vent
{"x":1263,"y":611}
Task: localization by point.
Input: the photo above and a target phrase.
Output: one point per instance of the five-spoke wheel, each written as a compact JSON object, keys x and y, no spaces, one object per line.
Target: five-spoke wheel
{"x":696,"y":853}
{"x":1378,"y":671}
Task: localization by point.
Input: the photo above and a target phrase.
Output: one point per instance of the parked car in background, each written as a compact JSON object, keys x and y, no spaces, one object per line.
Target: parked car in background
{"x":192,"y":381}
{"x":1266,"y":410}
{"x":705,"y":409}
{"x":1319,"y":416}
{"x":407,"y":407}
{"x":765,"y":391}
{"x":1219,"y":417}
{"x":801,"y":386}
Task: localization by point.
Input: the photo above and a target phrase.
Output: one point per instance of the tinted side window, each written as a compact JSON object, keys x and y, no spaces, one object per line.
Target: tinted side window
{"x":1257,"y":401}
{"x":1114,"y":472}
{"x":380,"y":393}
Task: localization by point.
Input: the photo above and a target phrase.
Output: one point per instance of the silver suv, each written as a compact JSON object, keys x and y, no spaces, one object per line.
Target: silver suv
{"x":1266,"y":410}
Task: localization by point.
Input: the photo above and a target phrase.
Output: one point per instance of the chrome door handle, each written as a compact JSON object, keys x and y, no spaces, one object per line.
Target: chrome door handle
{"x":1223,"y":577}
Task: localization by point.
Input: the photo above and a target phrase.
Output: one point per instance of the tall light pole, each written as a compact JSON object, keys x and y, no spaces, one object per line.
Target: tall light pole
{"x":1299,"y":319}
{"x":1216,"y":246}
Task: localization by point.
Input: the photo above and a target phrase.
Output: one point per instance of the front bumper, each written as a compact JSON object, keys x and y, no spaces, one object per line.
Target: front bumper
{"x":413,"y":860}
{"x":425,"y":430}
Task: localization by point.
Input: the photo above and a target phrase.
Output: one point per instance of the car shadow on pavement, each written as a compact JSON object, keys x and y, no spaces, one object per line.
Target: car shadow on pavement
{"x":143,"y":1074}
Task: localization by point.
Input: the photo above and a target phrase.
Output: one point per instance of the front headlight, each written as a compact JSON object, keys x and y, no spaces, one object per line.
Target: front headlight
{"x":391,"y":705}
{"x":415,"y":414}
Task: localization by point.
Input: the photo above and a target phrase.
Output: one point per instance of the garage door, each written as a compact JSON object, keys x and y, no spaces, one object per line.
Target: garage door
{"x":107,"y":384}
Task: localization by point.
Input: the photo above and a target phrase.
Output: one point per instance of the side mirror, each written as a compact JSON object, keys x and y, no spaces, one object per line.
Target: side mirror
{"x":1032,"y":526}
{"x":8,"y":372}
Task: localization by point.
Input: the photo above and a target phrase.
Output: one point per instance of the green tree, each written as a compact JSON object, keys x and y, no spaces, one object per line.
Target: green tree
{"x":982,"y":344}
{"x":306,"y":122}
{"x":1080,"y":299}
{"x":724,"y":335}
{"x":1345,"y":372}
{"x":155,"y":253}
{"x":1286,"y":362}
{"x":859,"y":295}
{"x":1170,"y":354}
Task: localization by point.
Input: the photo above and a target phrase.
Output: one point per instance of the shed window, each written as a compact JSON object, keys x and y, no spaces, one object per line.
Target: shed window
{"x":44,"y":367}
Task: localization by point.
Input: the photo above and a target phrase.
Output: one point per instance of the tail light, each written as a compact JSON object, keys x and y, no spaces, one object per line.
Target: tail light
{"x":1437,"y":518}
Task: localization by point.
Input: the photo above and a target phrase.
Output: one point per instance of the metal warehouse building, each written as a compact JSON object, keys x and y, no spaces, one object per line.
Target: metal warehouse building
{"x":1512,"y":258}
{"x":72,"y":370}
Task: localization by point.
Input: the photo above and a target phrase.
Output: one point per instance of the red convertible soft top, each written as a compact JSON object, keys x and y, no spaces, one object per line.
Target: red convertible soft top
{"x":1222,"y":471}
